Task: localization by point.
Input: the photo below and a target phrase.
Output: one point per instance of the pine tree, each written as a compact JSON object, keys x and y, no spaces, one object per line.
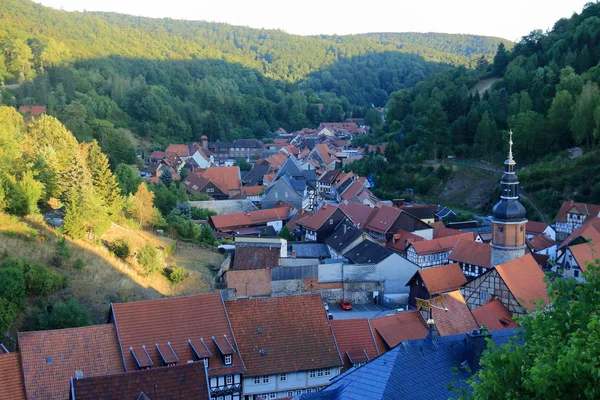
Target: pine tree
{"x":104,"y":182}
{"x":166,"y":177}
{"x":73,"y":223}
{"x":75,"y":177}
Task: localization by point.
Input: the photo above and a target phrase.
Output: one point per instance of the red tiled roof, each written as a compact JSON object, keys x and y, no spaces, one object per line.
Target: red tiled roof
{"x":525,"y":279}
{"x":181,"y":150}
{"x":33,"y":110}
{"x":582,"y":208}
{"x":319,"y":218}
{"x":585,"y":253}
{"x":458,"y":319}
{"x":394,"y":329}
{"x":269,"y":177}
{"x":251,"y":218}
{"x":50,"y":358}
{"x":471,"y":252}
{"x":441,"y":244}
{"x":159,"y":155}
{"x":353,"y":190}
{"x":355,"y":340}
{"x":255,"y":282}
{"x":11,"y":379}
{"x":172,"y":159}
{"x":442,"y":279}
{"x":494,"y":316}
{"x":360,"y":214}
{"x":590,"y":230}
{"x":383,"y":220}
{"x":201,"y":319}
{"x":186,"y":381}
{"x":442,"y":232}
{"x":401,"y":239}
{"x":291,"y":149}
{"x":304,"y":153}
{"x":197,"y":180}
{"x":283,"y":334}
{"x":541,"y":242}
{"x":535,"y":227}
{"x":348,"y":127}
{"x":256,"y":257}
{"x":301,"y":215}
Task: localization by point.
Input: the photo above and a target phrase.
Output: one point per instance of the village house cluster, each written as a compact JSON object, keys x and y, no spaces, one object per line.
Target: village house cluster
{"x":274,"y":329}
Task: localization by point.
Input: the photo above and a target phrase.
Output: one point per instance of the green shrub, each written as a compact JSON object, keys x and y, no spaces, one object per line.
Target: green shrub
{"x":121,"y":248}
{"x":60,"y":315}
{"x":175,"y":274}
{"x":78,"y":264}
{"x":38,"y":279}
{"x":12,"y":285}
{"x":150,"y":259}
{"x":8,"y":313}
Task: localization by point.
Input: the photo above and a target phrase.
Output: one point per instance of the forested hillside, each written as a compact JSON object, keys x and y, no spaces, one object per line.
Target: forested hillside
{"x":169,"y":80}
{"x":547,"y":94}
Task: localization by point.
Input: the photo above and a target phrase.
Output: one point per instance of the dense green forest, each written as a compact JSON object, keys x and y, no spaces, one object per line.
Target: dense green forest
{"x":545,"y":89}
{"x":169,"y":80}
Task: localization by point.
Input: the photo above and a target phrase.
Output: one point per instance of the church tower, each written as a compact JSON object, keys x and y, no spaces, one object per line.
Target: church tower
{"x":508,"y":222}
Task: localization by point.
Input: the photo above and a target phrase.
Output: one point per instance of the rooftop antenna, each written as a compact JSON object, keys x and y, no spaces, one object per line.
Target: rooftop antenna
{"x":428,"y":305}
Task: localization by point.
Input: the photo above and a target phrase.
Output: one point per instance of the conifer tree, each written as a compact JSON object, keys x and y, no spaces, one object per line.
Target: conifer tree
{"x":73,"y":223}
{"x":104,"y":182}
{"x":166,"y":177}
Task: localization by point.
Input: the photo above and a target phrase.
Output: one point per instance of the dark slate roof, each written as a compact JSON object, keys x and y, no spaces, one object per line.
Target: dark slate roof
{"x":415,"y":369}
{"x":368,"y":252}
{"x":255,"y":175}
{"x":311,"y":250}
{"x":253,"y":143}
{"x":311,"y":177}
{"x":343,"y":235}
{"x":291,"y":167}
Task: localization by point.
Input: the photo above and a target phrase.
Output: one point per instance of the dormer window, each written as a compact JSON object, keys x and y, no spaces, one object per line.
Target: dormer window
{"x":228,"y":359}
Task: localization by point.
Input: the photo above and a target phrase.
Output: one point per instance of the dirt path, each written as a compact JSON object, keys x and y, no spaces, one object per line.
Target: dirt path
{"x":11,"y":86}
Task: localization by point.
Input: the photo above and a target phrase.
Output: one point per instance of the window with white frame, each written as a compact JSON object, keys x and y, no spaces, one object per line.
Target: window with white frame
{"x":312,"y":373}
{"x":327,"y":371}
{"x":210,"y":190}
{"x":272,"y":395}
{"x":319,"y":372}
{"x":290,"y":393}
{"x":257,"y":380}
{"x":265,"y":379}
{"x":228,"y":359}
{"x":283,"y":377}
{"x":229,"y":380}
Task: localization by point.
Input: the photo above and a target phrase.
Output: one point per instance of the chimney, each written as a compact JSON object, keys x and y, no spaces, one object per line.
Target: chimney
{"x":293,"y":254}
{"x":204,"y":141}
{"x":345,"y":228}
{"x":475,"y":345}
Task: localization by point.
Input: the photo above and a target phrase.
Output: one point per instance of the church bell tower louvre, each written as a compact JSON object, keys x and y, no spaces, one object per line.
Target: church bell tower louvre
{"x":509,"y":217}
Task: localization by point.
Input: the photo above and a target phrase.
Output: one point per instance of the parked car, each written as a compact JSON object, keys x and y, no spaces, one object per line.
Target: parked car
{"x":346,"y":305}
{"x":326,"y":306}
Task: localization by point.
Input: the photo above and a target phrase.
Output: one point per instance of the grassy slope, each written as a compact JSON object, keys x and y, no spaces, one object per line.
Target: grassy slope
{"x":104,"y":278}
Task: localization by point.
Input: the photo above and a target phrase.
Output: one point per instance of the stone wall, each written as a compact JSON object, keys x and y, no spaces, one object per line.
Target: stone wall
{"x":356,"y":292}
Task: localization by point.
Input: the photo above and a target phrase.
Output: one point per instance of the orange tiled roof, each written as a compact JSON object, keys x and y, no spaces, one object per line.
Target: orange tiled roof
{"x":394,"y":329}
{"x":11,"y":379}
{"x":301,"y":215}
{"x":525,"y":279}
{"x":471,"y":252}
{"x":442,"y":232}
{"x":251,"y":218}
{"x":229,"y":177}
{"x":186,"y":381}
{"x":355,"y":340}
{"x":256,"y":257}
{"x":590,"y":230}
{"x":323,"y":150}
{"x":253,"y":190}
{"x":182,"y":150}
{"x":585,"y":253}
{"x":353,"y":190}
{"x":458,"y":319}
{"x":201,"y":320}
{"x":293,"y":333}
{"x":442,"y":279}
{"x":50,"y":358}
{"x":494,"y":316}
{"x":442,"y":244}
{"x":276,"y":160}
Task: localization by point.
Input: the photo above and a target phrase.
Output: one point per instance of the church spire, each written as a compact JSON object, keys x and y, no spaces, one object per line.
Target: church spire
{"x":510,"y":143}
